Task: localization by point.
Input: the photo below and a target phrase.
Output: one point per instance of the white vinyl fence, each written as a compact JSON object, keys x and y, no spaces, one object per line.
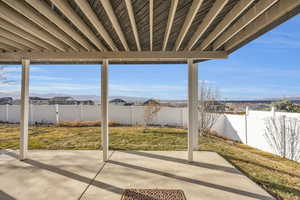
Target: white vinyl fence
{"x":130,"y":115}
{"x":248,"y":129}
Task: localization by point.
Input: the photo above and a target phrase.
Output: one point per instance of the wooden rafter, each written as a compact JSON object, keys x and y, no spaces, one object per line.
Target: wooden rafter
{"x":20,"y":21}
{"x":45,"y":10}
{"x":22,"y":8}
{"x":113,"y":19}
{"x":275,"y":12}
{"x":133,"y":23}
{"x":209,"y":18}
{"x":18,"y":39}
{"x":187,"y":22}
{"x":7,"y":47}
{"x":171,"y":16}
{"x":228,"y":19}
{"x":91,"y":16}
{"x":27,"y":36}
{"x":246,"y":19}
{"x":12,"y":43}
{"x":66,"y":9}
{"x":151,"y":23}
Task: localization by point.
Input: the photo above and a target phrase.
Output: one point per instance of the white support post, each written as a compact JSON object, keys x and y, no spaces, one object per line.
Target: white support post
{"x":192,"y":108}
{"x":24,"y":109}
{"x":104,"y":109}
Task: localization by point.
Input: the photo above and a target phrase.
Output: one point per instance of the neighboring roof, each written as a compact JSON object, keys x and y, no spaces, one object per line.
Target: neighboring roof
{"x":62,"y":99}
{"x":133,"y":31}
{"x":151,"y":102}
{"x":117,"y":101}
{"x":38,"y":98}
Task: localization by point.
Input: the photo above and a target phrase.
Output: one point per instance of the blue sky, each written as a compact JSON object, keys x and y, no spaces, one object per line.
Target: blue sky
{"x":267,"y":67}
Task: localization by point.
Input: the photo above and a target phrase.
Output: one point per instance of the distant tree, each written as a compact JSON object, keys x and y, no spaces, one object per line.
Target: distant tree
{"x":287,"y":106}
{"x":209,"y":106}
{"x":283,"y":135}
{"x":151,"y":108}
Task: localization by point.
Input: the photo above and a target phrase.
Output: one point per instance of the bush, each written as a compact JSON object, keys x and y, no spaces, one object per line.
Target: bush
{"x":84,"y":123}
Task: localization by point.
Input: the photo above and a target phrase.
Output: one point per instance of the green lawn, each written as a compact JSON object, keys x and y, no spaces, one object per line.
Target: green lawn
{"x":279,"y":176}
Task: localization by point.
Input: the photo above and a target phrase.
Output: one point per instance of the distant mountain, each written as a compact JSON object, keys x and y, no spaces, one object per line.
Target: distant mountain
{"x":16,"y":95}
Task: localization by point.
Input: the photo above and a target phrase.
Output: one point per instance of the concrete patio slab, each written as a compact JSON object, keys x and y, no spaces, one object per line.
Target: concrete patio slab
{"x":47,"y":174}
{"x":82,"y":175}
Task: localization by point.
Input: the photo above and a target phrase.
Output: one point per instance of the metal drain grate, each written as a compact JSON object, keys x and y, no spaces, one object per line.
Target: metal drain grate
{"x":152,"y":194}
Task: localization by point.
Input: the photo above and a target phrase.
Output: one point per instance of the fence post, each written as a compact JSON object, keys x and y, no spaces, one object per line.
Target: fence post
{"x":80,"y":112}
{"x":31,"y":113}
{"x":56,"y":113}
{"x":131,"y":116}
{"x":246,"y":124}
{"x":284,"y":136}
{"x":273,"y":111}
{"x":181,"y":117}
{"x":6,"y":112}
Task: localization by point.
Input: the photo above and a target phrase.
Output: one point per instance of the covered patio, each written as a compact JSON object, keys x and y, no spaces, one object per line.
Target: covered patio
{"x":127,"y":32}
{"x":154,"y":31}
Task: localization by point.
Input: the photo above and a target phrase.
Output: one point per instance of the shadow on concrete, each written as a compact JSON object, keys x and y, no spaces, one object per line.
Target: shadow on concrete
{"x":77,"y":177}
{"x":5,"y":196}
{"x":193,"y":181}
{"x":183,"y":161}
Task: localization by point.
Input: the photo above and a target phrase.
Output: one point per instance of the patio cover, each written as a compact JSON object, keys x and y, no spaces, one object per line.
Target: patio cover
{"x":131,"y":31}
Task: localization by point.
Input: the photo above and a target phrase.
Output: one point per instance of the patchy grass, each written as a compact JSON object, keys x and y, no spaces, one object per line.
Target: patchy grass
{"x":134,"y":138}
{"x":279,"y":176}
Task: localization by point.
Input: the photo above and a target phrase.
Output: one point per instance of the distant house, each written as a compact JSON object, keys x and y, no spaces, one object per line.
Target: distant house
{"x":151,"y":102}
{"x":128,"y":104}
{"x":118,"y":102}
{"x":6,"y":100}
{"x":62,"y":101}
{"x":69,"y":101}
{"x":86,"y":102}
{"x":39,"y":101}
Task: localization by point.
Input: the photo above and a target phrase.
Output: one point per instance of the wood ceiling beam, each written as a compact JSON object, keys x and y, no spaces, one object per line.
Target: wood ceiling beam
{"x":151,"y":23}
{"x":234,"y":13}
{"x":20,"y":21}
{"x":84,"y":57}
{"x":69,"y":13}
{"x":276,"y":12}
{"x":207,"y":21}
{"x":7,"y":47}
{"x":12,"y":43}
{"x":258,"y":9}
{"x":114,"y":21}
{"x":92,"y":17}
{"x":47,"y":12}
{"x":27,"y":36}
{"x":133,"y":23}
{"x":171,"y":16}
{"x":18,"y":39}
{"x":35,"y":17}
{"x":187,"y":22}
